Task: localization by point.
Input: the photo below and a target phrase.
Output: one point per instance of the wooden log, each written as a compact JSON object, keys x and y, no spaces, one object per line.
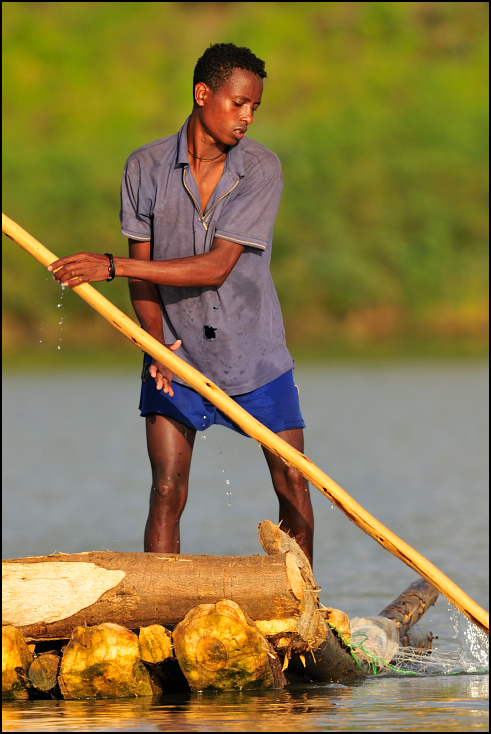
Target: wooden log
{"x":410,"y":606}
{"x":48,"y":596}
{"x":155,"y":644}
{"x":43,"y":671}
{"x":16,"y":658}
{"x":219,"y":647}
{"x":103,"y":662}
{"x":309,"y":630}
{"x":333,"y":660}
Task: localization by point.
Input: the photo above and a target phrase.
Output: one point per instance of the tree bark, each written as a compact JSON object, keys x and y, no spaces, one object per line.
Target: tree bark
{"x":47,"y":597}
{"x":332,"y":661}
{"x":410,"y":606}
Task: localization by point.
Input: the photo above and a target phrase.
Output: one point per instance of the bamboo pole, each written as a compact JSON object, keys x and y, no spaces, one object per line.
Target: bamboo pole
{"x":260,"y":433}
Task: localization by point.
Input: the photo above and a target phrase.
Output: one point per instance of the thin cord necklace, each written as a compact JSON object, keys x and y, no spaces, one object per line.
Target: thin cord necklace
{"x":206,"y":159}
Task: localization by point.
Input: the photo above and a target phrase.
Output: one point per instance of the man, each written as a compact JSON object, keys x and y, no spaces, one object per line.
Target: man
{"x":198,"y":209}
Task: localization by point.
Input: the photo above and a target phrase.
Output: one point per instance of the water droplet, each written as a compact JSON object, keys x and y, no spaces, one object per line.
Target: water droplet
{"x":230,"y":504}
{"x":332,"y":507}
{"x":228,"y":481}
{"x":60,"y":322}
{"x":59,"y":347}
{"x":59,"y":305}
{"x":40,"y":341}
{"x":204,"y":417}
{"x":203,"y":438}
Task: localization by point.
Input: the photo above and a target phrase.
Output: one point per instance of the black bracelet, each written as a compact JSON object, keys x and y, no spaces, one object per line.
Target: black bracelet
{"x":112,"y":268}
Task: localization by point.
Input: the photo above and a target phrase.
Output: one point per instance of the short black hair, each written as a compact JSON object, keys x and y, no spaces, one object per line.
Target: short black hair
{"x":220,"y":59}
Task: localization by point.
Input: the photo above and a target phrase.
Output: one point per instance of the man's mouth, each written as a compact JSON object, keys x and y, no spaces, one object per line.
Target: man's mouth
{"x":240,"y":132}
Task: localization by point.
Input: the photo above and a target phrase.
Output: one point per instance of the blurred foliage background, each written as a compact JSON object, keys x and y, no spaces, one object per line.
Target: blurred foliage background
{"x":377,"y":110}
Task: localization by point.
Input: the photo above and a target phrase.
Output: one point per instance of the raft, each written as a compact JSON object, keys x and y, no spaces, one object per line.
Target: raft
{"x":116,"y":625}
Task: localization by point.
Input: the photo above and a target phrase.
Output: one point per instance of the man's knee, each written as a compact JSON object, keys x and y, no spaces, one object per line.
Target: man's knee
{"x":290,"y":480}
{"x":169,"y":493}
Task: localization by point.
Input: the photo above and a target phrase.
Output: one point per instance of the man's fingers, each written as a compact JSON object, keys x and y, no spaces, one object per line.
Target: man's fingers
{"x":168,"y":388}
{"x":163,"y":378}
{"x":174,"y":347}
{"x":164,"y":383}
{"x":57,"y":264}
{"x":80,"y":268}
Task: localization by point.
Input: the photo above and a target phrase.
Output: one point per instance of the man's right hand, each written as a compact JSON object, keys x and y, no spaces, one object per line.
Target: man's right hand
{"x":162,"y":375}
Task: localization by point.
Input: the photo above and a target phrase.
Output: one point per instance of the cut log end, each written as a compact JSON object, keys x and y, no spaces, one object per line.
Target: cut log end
{"x":16,"y":659}
{"x":219,"y":647}
{"x":103,"y":662}
{"x":43,"y":672}
{"x":155,"y":644}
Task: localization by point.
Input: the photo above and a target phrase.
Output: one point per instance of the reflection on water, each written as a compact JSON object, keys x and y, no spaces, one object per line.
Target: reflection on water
{"x":457,"y":704}
{"x":408,"y":442}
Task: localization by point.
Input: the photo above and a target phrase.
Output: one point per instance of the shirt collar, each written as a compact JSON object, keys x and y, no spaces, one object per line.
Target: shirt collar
{"x":234,"y":163}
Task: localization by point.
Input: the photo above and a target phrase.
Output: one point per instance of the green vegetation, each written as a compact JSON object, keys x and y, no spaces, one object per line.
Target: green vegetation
{"x":378,"y":111}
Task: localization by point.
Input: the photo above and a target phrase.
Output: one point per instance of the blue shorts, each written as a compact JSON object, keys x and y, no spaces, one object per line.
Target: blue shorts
{"x":275,"y":405}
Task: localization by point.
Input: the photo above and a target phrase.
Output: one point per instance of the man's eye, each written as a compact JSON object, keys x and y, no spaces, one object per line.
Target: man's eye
{"x":238,"y":104}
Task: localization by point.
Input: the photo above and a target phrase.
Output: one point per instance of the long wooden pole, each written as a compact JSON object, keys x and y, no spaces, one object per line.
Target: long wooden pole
{"x":260,"y":433}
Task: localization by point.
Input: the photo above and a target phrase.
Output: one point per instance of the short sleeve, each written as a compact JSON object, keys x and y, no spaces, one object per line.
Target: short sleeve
{"x":249,"y":217}
{"x":136,"y":203}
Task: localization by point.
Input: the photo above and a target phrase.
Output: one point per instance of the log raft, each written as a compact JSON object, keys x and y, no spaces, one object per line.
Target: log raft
{"x":96,"y":623}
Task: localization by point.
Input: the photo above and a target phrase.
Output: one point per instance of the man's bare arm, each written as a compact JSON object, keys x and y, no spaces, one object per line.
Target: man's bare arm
{"x":145,"y":298}
{"x":144,"y":295}
{"x":209,"y":269}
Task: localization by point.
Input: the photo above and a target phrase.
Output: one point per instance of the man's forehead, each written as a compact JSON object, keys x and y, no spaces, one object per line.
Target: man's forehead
{"x":244,"y":84}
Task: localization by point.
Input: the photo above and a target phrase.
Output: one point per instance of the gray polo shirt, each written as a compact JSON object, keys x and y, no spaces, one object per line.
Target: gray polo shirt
{"x":233,"y":334}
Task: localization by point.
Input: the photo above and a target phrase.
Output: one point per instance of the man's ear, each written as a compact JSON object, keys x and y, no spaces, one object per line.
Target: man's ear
{"x":201,"y":93}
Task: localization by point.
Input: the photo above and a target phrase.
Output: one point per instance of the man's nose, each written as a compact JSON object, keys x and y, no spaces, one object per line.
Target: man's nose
{"x":248,"y":115}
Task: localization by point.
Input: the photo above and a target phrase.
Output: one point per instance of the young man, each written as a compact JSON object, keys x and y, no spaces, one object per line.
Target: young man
{"x":198,"y":209}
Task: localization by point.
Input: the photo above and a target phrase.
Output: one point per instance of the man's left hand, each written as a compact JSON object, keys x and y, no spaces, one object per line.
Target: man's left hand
{"x":162,"y":374}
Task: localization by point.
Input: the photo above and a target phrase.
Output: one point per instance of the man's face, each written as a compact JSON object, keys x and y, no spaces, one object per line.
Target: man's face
{"x":227,"y":113}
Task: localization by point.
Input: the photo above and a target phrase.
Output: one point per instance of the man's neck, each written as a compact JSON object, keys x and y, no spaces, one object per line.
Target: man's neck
{"x":202,"y":146}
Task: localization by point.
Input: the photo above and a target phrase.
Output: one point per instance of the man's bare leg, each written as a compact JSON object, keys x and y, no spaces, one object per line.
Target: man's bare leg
{"x":170,"y":447}
{"x":292,"y":490}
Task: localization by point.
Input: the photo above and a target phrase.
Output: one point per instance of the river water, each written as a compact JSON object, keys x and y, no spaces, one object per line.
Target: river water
{"x":408,"y":441}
